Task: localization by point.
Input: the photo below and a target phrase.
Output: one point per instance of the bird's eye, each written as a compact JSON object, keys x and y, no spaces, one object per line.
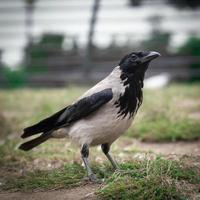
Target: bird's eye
{"x":133,"y":57}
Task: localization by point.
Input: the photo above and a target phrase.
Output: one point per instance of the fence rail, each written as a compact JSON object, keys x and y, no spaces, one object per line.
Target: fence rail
{"x":178,"y":67}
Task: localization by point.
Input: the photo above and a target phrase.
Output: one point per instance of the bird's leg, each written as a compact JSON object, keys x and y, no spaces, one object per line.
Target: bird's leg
{"x":85,"y":155}
{"x":105,"y":148}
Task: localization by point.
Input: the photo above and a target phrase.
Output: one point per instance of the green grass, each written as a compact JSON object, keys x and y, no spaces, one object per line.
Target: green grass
{"x":149,"y":177}
{"x":167,"y":114}
{"x":70,"y":176}
{"x":152,"y":179}
{"x":153,"y":188}
{"x":26,"y":106}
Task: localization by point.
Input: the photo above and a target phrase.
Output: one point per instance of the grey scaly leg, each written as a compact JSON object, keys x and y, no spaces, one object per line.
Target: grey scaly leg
{"x":105,"y":148}
{"x":85,"y":155}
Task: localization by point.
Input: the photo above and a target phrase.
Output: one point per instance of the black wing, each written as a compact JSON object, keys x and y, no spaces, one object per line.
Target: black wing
{"x":72,"y":113}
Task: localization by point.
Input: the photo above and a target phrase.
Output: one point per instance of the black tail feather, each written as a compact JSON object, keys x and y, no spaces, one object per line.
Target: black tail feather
{"x":35,"y":142}
{"x":43,"y":126}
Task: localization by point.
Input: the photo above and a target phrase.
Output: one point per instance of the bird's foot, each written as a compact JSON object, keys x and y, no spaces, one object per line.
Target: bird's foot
{"x":92,"y":178}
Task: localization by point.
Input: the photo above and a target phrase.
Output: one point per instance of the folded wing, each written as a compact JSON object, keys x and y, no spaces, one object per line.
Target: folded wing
{"x":70,"y":114}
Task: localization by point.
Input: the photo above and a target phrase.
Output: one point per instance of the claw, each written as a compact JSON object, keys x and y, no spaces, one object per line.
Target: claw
{"x":92,"y":178}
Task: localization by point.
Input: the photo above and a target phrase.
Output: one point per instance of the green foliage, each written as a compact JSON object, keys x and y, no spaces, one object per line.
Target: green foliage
{"x":52,"y":40}
{"x":46,"y":47}
{"x":191,"y":47}
{"x":14,"y":78}
{"x":40,"y":54}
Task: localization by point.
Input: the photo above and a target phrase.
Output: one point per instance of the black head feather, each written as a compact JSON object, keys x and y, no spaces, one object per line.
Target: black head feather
{"x":137,"y":62}
{"x":133,"y":67}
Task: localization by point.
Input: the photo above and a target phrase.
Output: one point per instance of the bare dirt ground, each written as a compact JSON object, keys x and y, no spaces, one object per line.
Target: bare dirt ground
{"x":177,"y":148}
{"x":87,"y":191}
{"x":78,"y":193}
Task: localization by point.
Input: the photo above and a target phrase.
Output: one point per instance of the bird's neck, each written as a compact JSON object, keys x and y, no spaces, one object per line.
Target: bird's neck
{"x":130,"y":100}
{"x":132,"y":79}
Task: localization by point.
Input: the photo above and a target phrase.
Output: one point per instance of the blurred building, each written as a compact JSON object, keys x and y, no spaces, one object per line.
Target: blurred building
{"x":120,"y":28}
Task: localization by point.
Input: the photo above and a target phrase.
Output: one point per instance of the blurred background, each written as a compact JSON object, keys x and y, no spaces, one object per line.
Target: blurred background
{"x":47,"y":43}
{"x":52,"y":51}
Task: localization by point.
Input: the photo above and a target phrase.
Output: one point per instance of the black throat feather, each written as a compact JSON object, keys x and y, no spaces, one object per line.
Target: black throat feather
{"x":129,"y":102}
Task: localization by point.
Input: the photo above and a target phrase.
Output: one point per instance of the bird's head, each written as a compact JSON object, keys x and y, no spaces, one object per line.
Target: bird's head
{"x":137,"y":62}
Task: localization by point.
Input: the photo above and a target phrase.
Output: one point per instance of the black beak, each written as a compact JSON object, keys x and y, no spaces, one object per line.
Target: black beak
{"x":150,"y":56}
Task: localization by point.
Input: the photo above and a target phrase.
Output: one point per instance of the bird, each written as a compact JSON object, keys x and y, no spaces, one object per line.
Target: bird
{"x":101,"y":114}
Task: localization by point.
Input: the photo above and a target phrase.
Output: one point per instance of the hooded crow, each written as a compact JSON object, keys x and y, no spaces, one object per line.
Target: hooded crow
{"x":101,"y":114}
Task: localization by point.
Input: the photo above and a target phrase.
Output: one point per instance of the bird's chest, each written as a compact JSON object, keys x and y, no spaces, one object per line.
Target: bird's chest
{"x":107,"y":123}
{"x":105,"y":126}
{"x":116,"y":124}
